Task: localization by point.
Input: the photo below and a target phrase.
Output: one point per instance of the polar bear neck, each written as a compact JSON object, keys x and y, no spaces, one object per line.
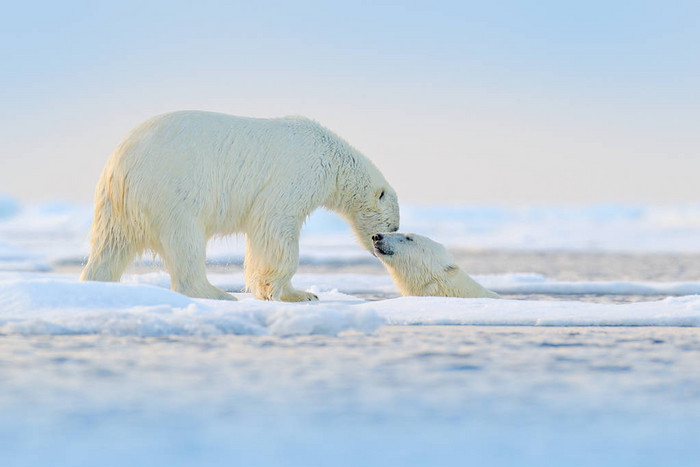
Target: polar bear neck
{"x":455,"y":284}
{"x":462,"y":285}
{"x":353,"y":173}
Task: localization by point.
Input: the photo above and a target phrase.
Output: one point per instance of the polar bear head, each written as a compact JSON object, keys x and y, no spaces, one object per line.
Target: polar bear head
{"x":422,"y":267}
{"x":413,"y":260}
{"x":370,"y":205}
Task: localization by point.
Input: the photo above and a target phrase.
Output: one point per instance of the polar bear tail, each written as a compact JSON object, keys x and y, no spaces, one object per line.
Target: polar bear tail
{"x":111,"y":247}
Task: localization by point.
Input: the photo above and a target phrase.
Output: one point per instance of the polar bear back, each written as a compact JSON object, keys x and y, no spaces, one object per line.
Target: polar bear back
{"x":220,"y":168}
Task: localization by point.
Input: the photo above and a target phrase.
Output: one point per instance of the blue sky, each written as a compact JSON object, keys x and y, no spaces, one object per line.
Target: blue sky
{"x":456,"y":102}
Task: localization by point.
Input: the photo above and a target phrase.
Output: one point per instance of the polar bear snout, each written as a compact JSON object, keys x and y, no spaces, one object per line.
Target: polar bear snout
{"x":380,"y":246}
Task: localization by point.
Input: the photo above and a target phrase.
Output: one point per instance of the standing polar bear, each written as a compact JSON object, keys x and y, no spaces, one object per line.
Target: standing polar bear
{"x":181,"y":178}
{"x":422,"y":267}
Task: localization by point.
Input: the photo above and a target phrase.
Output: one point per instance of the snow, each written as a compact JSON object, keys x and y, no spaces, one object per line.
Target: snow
{"x":132,"y":373}
{"x":421,"y":311}
{"x":56,"y":304}
{"x":67,"y":307}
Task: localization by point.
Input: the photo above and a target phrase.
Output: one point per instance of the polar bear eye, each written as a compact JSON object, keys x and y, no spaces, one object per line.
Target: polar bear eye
{"x":410,"y":239}
{"x":381,"y":194}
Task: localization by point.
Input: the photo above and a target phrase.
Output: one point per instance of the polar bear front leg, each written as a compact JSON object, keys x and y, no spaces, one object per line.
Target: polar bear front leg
{"x":270,"y":263}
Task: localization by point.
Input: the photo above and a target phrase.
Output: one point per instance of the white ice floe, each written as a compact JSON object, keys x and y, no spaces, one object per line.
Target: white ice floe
{"x":414,"y":311}
{"x":56,"y":306}
{"x":59,"y":304}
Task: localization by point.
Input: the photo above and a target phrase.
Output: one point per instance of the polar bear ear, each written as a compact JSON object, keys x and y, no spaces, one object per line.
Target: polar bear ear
{"x":451,"y":269}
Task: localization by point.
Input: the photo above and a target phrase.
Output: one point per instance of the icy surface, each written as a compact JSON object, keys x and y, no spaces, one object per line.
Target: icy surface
{"x":32,"y":304}
{"x":54,"y":306}
{"x":135,"y":374}
{"x":414,"y":396}
{"x":681,"y":311}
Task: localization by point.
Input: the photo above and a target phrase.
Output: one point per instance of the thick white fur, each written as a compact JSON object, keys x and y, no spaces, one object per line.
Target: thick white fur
{"x":422,"y":267}
{"x":181,"y":178}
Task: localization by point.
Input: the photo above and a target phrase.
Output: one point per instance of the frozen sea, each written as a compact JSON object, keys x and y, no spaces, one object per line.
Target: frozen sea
{"x":592,"y":358}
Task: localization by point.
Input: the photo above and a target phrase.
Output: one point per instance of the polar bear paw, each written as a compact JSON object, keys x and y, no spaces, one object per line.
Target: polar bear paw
{"x":294,"y":295}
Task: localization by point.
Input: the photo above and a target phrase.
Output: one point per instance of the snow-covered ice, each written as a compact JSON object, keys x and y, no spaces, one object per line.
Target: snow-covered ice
{"x":68,"y":307}
{"x":134,"y":374}
{"x":59,"y":304}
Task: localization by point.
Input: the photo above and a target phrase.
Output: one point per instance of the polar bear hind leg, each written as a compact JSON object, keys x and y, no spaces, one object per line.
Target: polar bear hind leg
{"x":182,"y":245}
{"x":109,"y":256}
{"x":111,"y":248}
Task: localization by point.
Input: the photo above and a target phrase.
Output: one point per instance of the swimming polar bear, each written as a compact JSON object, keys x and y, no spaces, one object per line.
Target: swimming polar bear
{"x":422,"y":267}
{"x":182,"y":178}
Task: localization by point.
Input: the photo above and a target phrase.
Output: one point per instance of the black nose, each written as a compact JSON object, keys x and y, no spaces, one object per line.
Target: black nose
{"x":377,"y":237}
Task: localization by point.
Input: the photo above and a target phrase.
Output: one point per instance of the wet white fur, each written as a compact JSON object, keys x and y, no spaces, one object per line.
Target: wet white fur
{"x":181,"y":178}
{"x":422,"y":267}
